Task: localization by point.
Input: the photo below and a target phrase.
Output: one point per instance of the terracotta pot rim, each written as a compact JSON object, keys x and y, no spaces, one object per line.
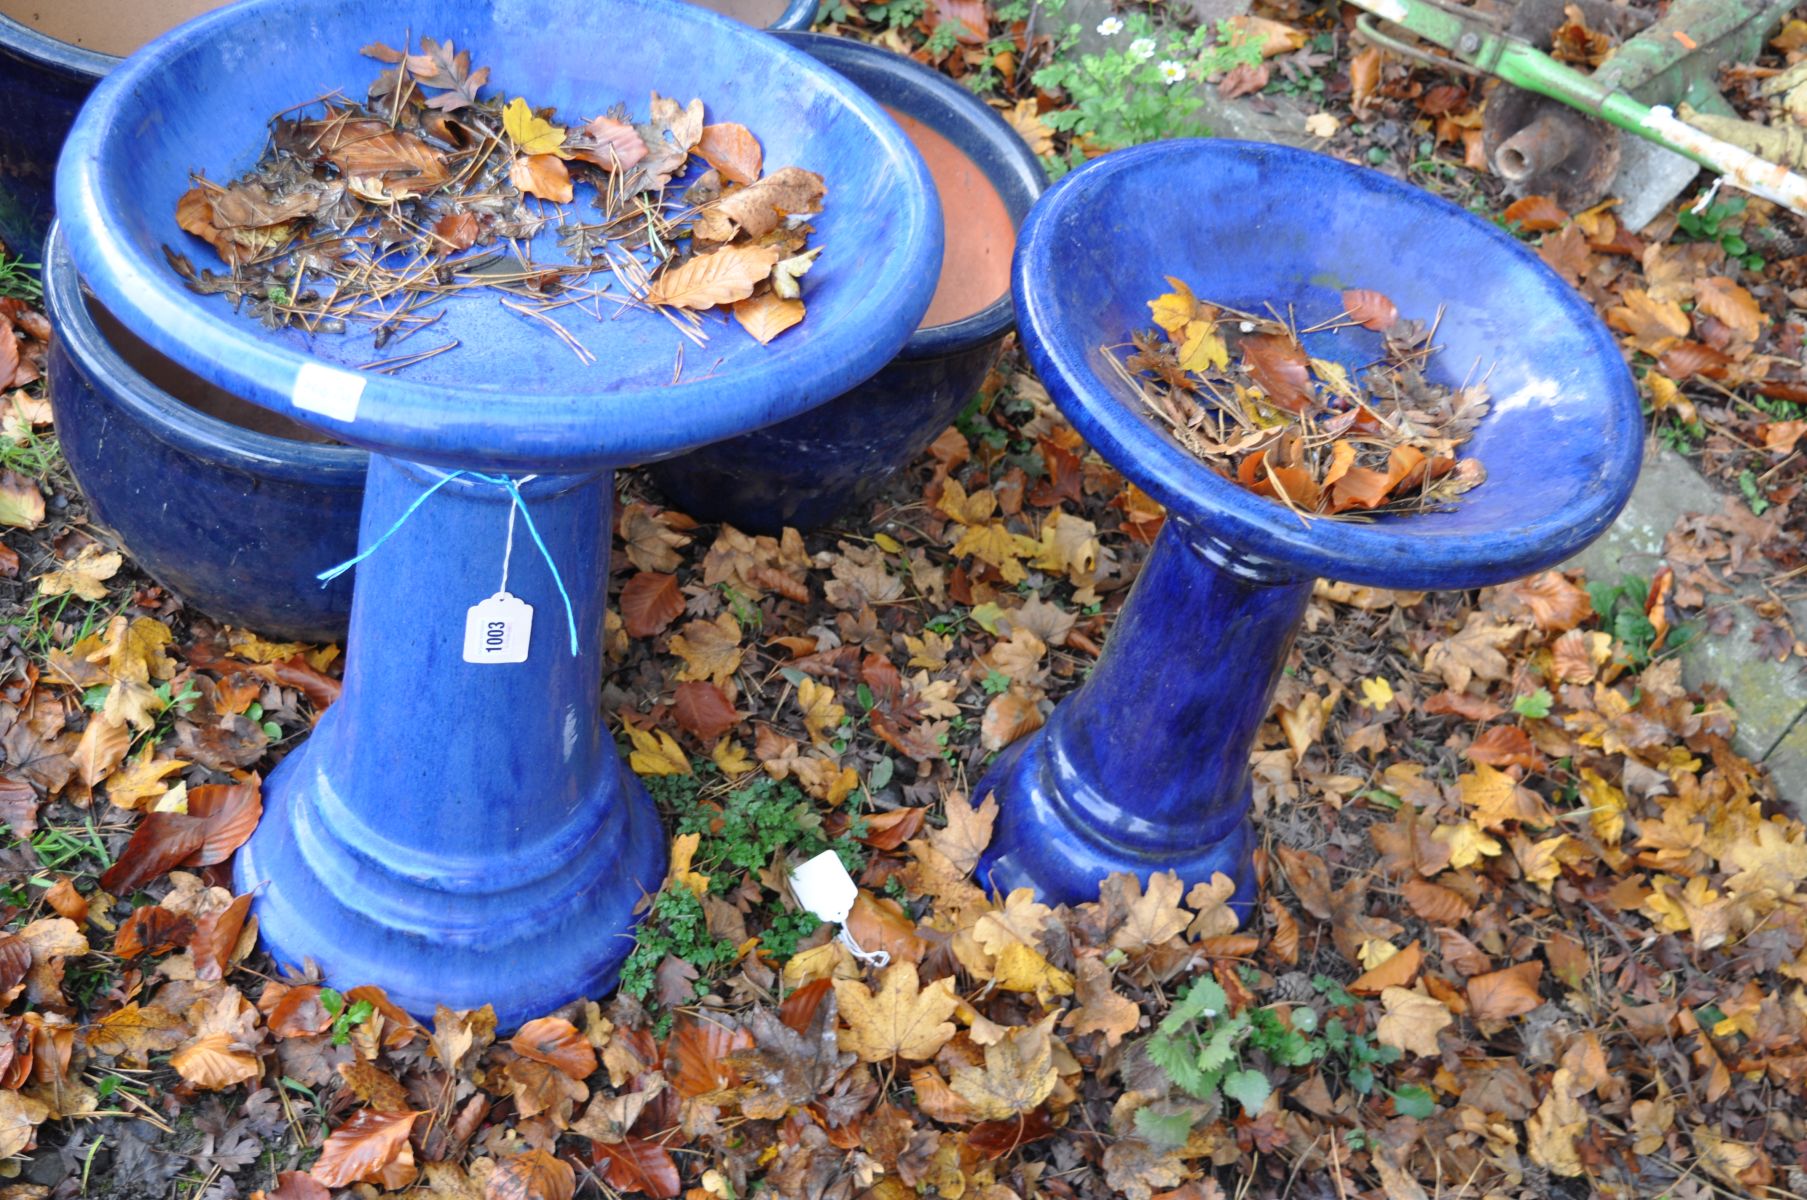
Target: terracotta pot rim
{"x":968,"y":122}
{"x":173,"y":421}
{"x":21,"y":39}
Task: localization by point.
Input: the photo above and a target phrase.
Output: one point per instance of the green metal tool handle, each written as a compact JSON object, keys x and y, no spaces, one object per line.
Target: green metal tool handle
{"x":1479,"y":45}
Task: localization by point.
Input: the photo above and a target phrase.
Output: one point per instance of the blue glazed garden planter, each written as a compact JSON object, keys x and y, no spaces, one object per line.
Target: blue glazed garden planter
{"x":44,"y":80}
{"x":465,"y":832}
{"x":42,"y":83}
{"x":1146,"y":767}
{"x":230,"y":515}
{"x":806,"y":471}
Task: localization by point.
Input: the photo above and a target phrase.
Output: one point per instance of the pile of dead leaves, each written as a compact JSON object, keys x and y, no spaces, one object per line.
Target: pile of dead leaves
{"x":428,"y":173}
{"x":1242,"y":393}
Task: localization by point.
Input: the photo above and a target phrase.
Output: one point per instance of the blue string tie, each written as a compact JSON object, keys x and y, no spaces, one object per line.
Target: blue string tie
{"x":520,"y":505}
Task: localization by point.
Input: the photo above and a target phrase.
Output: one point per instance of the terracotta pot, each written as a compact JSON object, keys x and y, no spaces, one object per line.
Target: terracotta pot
{"x":806,"y":471}
{"x":230,"y":507}
{"x":53,"y":52}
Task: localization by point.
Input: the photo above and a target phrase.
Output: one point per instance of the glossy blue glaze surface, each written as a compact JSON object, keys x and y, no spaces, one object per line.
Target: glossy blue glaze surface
{"x":465,"y":833}
{"x":1145,"y":768}
{"x":234,"y":521}
{"x":199,"y":97}
{"x":806,"y":471}
{"x":42,"y":84}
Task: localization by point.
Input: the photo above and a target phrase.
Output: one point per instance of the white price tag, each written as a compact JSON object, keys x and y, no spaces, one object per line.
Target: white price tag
{"x":823,"y":886}
{"x":497,"y":631}
{"x":327,"y":391}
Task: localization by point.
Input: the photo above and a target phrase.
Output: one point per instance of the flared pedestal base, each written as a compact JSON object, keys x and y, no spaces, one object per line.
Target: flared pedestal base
{"x":1039,"y":842}
{"x":523,"y":933}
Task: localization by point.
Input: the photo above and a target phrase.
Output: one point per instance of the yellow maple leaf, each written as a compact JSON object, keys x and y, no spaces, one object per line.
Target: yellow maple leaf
{"x":1154,"y":915}
{"x":85,"y":575}
{"x":1211,"y":901}
{"x":1377,"y":693}
{"x":995,"y":544}
{"x":968,"y":831}
{"x":1411,"y":1022}
{"x":532,"y":134}
{"x":821,"y":714}
{"x":1020,"y":921}
{"x":710,"y":649}
{"x":904,"y":1020}
{"x":1771,"y":862}
{"x":1018,"y":1074}
{"x":731,"y":757}
{"x":656,"y":753}
{"x":683,"y":852}
{"x":1606,"y":807}
{"x":1553,"y":1128}
{"x":134,"y":650}
{"x":1467,"y":843}
{"x":141,"y":779}
{"x":1175,"y":310}
{"x":1538,"y":860}
{"x":1068,"y":545}
{"x":1101,"y":1010}
{"x":975,"y":509}
{"x":1498,"y":798}
{"x":1203,"y":348}
{"x":137,"y":704}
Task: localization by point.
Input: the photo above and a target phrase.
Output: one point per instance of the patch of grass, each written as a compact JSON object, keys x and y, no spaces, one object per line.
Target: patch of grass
{"x":20,"y":280}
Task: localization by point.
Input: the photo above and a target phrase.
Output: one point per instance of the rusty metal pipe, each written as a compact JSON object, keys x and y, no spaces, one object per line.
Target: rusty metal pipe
{"x":1538,"y":147}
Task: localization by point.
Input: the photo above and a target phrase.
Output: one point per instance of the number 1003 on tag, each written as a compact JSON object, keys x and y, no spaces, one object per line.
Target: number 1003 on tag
{"x":497,"y":630}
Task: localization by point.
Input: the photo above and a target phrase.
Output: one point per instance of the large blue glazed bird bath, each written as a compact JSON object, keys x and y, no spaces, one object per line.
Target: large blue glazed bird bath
{"x":465,"y":832}
{"x":806,"y":471}
{"x":227,"y":505}
{"x":1146,"y":767}
{"x":53,"y":52}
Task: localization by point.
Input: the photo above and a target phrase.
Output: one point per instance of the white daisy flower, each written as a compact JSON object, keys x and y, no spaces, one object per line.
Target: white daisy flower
{"x":1172,"y":72}
{"x":1142,"y":49}
{"x":1110,"y":26}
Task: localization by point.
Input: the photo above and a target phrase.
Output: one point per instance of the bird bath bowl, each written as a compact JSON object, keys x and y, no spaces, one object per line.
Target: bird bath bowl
{"x":53,"y":52}
{"x":465,"y":833}
{"x":811,"y":469}
{"x":1146,"y":767}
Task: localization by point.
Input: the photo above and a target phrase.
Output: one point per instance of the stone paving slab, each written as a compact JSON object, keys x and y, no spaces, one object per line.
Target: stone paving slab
{"x":1771,"y":697}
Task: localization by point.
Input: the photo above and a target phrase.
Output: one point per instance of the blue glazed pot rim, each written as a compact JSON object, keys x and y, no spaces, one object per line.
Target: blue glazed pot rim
{"x":797,"y":15}
{"x":1391,"y":552}
{"x":19,"y":38}
{"x":168,"y":418}
{"x":968,"y":122}
{"x":558,"y":423}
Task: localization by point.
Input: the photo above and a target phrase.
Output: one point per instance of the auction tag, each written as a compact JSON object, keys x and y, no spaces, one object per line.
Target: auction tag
{"x":823,"y":886}
{"x":327,"y":391}
{"x":497,"y":630}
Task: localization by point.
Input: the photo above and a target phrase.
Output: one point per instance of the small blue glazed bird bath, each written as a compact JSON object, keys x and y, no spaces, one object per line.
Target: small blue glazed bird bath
{"x":464,"y":832}
{"x":53,"y":52}
{"x":1146,"y":767}
{"x":806,"y":471}
{"x":215,"y":498}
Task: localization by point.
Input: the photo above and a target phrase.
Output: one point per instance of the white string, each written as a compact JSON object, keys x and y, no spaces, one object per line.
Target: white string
{"x":878,"y":958}
{"x":508,"y":544}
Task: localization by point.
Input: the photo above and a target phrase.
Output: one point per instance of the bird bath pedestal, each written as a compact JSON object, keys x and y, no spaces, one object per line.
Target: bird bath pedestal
{"x":463,"y":832}
{"x":1146,"y":767}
